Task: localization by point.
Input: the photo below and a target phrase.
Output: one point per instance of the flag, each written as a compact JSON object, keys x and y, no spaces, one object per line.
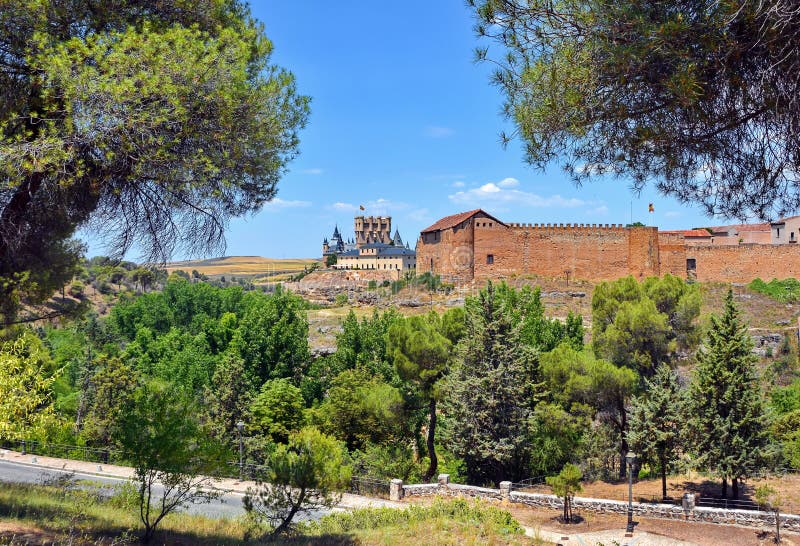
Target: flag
{"x":651,"y":208}
{"x":361,"y":207}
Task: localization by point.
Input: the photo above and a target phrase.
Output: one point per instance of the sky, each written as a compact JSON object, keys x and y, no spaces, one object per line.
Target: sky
{"x":404,"y":123}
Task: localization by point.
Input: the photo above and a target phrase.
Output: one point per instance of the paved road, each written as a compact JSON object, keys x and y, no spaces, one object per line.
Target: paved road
{"x":229,"y":505}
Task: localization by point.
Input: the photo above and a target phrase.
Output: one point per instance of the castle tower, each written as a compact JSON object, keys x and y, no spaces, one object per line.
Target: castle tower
{"x":373,"y":229}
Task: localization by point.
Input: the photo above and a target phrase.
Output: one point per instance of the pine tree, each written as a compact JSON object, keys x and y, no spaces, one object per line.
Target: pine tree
{"x":488,"y":395}
{"x":656,"y":422}
{"x":729,"y":425}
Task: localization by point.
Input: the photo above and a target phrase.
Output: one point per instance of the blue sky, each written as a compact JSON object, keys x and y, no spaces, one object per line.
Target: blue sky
{"x":404,"y":123}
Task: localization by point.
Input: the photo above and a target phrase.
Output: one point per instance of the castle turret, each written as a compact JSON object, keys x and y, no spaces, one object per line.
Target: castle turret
{"x":397,"y":241}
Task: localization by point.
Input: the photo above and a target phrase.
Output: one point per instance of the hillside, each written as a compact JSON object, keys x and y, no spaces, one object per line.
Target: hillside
{"x":253,"y":267}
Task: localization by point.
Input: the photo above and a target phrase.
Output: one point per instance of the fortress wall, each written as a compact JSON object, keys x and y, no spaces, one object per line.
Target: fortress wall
{"x":672,"y":254}
{"x":743,"y":263}
{"x":582,"y":251}
{"x":448,"y":252}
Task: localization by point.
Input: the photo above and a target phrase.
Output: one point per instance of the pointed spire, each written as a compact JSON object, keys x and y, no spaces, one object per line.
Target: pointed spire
{"x":336,"y":232}
{"x":397,"y":240}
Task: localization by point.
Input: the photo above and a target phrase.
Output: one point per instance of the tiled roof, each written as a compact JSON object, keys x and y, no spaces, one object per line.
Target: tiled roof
{"x":742,"y":227}
{"x":689,"y":232}
{"x":455,"y":219}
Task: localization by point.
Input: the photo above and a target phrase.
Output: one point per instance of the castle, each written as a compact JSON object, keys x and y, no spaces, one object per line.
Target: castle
{"x":475,"y":245}
{"x":373,"y":247}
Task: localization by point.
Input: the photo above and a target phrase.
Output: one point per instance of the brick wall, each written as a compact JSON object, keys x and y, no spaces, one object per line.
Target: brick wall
{"x":481,"y":248}
{"x":672,"y":254}
{"x":592,"y":252}
{"x":743,"y":263}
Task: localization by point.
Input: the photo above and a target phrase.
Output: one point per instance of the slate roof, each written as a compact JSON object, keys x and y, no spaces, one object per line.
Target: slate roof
{"x":455,"y":219}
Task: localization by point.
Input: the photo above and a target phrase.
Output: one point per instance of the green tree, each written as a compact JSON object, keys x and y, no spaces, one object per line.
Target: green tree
{"x":656,"y":91}
{"x":26,"y":380}
{"x":107,"y":391}
{"x":656,"y":424}
{"x":360,"y":409}
{"x":491,"y":391}
{"x":331,"y":260}
{"x":578,"y":377}
{"x":304,"y":475}
{"x":362,"y":344}
{"x":565,"y":485}
{"x":277,"y":410}
{"x":639,"y":325}
{"x":149,"y":122}
{"x":160,"y":436}
{"x":272,"y":337}
{"x":421,"y":354}
{"x":729,"y":424}
{"x":228,"y":397}
{"x":557,"y":436}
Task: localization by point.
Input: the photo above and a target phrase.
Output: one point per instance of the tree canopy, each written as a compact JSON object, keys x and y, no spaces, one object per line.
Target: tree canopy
{"x":157,"y":121}
{"x":697,"y":97}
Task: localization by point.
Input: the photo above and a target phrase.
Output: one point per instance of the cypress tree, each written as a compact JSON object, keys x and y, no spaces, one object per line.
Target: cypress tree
{"x":489,"y":394}
{"x":656,"y":422}
{"x":728,"y":420}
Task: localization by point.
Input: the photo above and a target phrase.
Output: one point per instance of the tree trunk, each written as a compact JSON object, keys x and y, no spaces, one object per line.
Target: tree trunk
{"x":735,"y":488}
{"x":724,"y":487}
{"x":623,"y":447}
{"x":663,"y":476}
{"x":434,"y":462}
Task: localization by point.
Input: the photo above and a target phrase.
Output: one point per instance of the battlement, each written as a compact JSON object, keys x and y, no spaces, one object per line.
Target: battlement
{"x":554,"y":226}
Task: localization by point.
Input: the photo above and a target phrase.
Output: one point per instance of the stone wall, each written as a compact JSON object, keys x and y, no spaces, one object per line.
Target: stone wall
{"x":749,"y":518}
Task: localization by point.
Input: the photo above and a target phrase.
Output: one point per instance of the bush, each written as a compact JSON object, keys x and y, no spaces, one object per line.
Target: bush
{"x":341,"y":300}
{"x":77,"y":289}
{"x":787,"y":290}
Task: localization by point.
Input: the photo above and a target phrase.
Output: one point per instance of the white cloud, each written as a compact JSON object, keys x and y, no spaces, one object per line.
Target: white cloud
{"x":504,"y":192}
{"x":279,"y":204}
{"x":346,"y":207}
{"x":457,"y":184}
{"x":508,"y":183}
{"x":436,"y":131}
{"x":378,"y":206}
{"x":312,"y":171}
{"x":602,"y":210}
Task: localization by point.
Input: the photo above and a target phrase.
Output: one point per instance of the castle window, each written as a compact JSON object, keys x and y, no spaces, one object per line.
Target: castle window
{"x":490,"y":224}
{"x":490,"y":259}
{"x":779,"y":233}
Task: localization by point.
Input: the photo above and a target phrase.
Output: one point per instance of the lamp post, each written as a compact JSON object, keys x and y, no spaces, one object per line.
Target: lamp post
{"x":240,"y":428}
{"x":630,"y":458}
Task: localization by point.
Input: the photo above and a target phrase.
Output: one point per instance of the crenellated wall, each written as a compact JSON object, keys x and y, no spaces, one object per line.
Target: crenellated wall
{"x":481,"y":248}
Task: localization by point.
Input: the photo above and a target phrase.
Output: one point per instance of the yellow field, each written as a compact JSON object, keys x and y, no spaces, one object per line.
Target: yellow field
{"x":244,"y":265}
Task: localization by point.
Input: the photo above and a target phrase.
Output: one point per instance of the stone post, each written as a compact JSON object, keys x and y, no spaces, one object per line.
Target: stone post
{"x":505,"y":490}
{"x":396,"y":490}
{"x":443,"y":480}
{"x":688,"y":504}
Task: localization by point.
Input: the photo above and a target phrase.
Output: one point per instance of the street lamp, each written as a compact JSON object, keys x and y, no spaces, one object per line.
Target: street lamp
{"x":240,"y":428}
{"x":630,"y":459}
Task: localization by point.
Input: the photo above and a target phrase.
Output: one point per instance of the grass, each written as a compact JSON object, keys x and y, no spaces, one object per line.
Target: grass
{"x":787,"y":290}
{"x":79,"y":514}
{"x":450,"y":521}
{"x":66,"y":514}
